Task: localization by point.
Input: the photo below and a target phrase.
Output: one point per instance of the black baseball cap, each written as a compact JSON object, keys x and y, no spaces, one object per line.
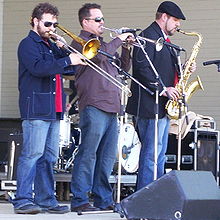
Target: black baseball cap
{"x":171,"y":9}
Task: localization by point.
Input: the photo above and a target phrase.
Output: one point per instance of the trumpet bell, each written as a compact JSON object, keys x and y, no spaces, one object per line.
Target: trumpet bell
{"x":159,"y":44}
{"x":90,"y":49}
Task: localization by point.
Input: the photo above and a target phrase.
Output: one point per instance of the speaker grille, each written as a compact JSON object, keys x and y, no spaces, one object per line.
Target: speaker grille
{"x":199,"y":150}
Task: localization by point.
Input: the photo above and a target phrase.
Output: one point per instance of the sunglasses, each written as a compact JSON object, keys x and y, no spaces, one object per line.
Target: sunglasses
{"x":97,"y":19}
{"x":49,"y":24}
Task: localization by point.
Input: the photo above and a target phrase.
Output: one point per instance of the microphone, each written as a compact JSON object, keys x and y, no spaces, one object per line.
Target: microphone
{"x":173,"y":46}
{"x":107,"y":55}
{"x":217,"y":62}
{"x":126,"y":30}
{"x":211,"y":62}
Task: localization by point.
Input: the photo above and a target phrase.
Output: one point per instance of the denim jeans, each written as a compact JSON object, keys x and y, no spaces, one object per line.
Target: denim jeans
{"x":35,"y":165}
{"x":96,"y":157}
{"x":146,"y":130}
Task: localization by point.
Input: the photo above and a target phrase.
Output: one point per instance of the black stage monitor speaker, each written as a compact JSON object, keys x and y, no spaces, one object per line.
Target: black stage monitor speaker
{"x":178,"y":195}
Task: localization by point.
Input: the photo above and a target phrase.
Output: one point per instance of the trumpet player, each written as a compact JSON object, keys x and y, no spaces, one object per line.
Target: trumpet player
{"x":99,"y":104}
{"x":41,"y":103}
{"x":142,"y":104}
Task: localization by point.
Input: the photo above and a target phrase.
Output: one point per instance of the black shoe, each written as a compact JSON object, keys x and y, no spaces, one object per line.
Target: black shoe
{"x":28,"y":209}
{"x":84,"y":208}
{"x":57,"y":210}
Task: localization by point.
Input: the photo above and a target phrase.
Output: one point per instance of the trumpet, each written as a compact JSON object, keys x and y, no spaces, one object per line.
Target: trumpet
{"x":158,"y":43}
{"x":140,"y":41}
{"x":90,"y":49}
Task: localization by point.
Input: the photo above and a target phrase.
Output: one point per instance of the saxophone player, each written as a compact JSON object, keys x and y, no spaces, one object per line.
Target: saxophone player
{"x":141,"y":105}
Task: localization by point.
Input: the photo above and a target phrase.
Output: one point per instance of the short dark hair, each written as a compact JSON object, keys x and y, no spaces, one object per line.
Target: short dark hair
{"x":159,"y":15}
{"x":84,"y":11}
{"x":41,"y":9}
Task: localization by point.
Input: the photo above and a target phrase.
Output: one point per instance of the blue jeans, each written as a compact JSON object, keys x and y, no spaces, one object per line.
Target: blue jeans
{"x":96,"y":157}
{"x":35,"y":165}
{"x":146,"y":130}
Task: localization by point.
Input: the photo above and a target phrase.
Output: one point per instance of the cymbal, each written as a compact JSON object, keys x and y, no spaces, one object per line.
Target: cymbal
{"x":68,"y":91}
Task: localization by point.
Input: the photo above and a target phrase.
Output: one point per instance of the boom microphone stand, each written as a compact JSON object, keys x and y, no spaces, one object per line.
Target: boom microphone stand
{"x":124,"y":75}
{"x":158,"y":81}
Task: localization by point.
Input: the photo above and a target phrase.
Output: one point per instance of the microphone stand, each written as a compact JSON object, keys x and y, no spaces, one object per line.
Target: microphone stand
{"x":182,"y":105}
{"x":120,"y":70}
{"x":125,"y":75}
{"x":159,"y":81}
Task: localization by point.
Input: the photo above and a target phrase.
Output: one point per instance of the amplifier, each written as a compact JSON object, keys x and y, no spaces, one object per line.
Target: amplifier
{"x":204,"y":124}
{"x":199,"y":151}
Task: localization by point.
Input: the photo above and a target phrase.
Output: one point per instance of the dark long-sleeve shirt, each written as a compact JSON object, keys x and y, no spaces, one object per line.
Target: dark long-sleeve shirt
{"x":93,"y":88}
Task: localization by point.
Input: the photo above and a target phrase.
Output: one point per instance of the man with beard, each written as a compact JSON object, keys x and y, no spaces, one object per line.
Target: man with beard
{"x":41,"y":103}
{"x":142,"y":104}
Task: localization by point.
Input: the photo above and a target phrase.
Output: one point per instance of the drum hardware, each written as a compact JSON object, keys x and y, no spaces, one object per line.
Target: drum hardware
{"x":68,"y":151}
{"x":75,"y":117}
{"x":67,"y":91}
{"x":69,"y":162}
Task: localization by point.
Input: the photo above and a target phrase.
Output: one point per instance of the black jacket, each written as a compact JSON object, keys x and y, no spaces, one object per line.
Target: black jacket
{"x":142,"y":103}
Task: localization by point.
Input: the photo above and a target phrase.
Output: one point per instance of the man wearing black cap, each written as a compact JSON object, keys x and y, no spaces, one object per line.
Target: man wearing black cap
{"x":142,"y":104}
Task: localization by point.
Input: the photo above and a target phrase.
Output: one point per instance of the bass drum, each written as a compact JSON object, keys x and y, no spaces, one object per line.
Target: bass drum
{"x":130,"y":146}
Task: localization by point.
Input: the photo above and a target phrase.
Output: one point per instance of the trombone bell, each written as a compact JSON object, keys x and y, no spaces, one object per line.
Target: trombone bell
{"x":90,"y":48}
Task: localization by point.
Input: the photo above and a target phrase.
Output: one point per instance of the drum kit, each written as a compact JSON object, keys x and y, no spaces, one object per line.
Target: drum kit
{"x":128,"y":144}
{"x":69,"y":138}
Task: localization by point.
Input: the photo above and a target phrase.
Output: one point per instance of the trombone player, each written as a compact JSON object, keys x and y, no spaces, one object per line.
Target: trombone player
{"x":99,"y":104}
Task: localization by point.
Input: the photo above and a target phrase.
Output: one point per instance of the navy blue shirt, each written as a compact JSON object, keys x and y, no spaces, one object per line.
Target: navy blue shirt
{"x":39,"y":62}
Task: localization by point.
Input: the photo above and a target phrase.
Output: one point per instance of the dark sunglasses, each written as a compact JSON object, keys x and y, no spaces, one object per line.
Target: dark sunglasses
{"x":97,"y":19}
{"x":49,"y":24}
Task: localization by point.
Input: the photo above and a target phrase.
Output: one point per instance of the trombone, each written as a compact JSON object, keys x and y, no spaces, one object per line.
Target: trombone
{"x":141,"y":41}
{"x":90,"y":49}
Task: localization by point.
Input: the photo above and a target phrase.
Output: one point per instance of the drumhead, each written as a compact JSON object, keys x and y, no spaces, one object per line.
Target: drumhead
{"x":129,"y":145}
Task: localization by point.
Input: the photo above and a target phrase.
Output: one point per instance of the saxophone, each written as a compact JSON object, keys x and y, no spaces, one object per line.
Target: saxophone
{"x":172,"y":107}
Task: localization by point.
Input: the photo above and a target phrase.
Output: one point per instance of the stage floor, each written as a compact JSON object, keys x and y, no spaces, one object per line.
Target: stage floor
{"x":7,"y":213}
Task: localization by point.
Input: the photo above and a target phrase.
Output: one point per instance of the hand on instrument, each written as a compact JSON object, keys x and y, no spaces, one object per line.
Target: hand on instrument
{"x":173,"y":92}
{"x":76,"y":59}
{"x":129,"y":41}
{"x":192,"y":68}
{"x":61,"y":42}
{"x":125,"y":36}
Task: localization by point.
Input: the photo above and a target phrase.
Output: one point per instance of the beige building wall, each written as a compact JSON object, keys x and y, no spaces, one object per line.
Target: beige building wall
{"x":202,"y":16}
